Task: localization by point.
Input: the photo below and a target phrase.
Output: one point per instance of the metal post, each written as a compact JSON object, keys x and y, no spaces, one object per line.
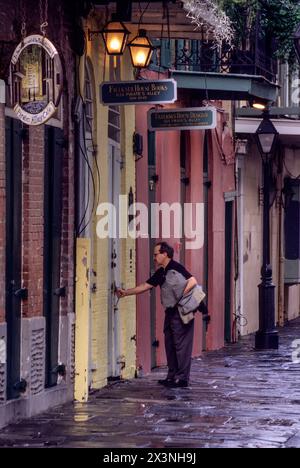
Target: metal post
{"x":267,"y":335}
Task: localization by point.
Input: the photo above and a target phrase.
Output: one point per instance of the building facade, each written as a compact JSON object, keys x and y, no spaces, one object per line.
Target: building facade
{"x":37,"y":326}
{"x":284,"y":223}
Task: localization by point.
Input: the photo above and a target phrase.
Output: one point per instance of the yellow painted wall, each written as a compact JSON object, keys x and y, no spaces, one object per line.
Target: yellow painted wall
{"x":99,"y":299}
{"x":252,"y":255}
{"x":100,"y":261}
{"x":82,"y":323}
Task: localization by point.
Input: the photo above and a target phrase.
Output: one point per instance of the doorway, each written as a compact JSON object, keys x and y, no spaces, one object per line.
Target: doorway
{"x":228,"y":269}
{"x":114,"y":257}
{"x":153,"y":178}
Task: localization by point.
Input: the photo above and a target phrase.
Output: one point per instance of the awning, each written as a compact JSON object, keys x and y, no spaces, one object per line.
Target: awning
{"x":226,"y":86}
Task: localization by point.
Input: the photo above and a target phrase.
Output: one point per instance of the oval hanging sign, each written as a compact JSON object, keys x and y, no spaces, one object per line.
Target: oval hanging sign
{"x":36,"y":80}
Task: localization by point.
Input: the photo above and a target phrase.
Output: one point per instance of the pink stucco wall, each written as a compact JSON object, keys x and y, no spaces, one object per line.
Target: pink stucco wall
{"x":221,"y":175}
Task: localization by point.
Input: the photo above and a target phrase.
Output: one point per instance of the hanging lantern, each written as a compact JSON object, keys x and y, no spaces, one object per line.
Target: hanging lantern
{"x":115,"y":36}
{"x":141,"y":50}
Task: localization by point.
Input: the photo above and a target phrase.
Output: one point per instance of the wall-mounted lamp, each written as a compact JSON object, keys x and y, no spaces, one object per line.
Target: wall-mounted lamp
{"x":115,"y":35}
{"x":141,"y":50}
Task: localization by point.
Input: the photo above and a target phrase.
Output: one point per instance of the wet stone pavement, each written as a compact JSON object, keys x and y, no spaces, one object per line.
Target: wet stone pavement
{"x":238,"y":397}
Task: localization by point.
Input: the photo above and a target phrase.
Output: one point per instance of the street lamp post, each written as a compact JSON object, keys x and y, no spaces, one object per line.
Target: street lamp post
{"x":267,"y":336}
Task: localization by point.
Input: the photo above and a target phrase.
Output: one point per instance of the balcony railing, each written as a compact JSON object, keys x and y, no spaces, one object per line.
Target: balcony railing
{"x":196,"y":55}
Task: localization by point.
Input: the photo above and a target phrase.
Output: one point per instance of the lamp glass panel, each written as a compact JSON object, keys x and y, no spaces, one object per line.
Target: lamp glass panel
{"x":140,"y":56}
{"x":141,"y":52}
{"x":114,"y":42}
{"x":115,"y":35}
{"x":266,"y":142}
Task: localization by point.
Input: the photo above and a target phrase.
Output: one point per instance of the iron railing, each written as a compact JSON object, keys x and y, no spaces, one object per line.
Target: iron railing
{"x":197,"y":55}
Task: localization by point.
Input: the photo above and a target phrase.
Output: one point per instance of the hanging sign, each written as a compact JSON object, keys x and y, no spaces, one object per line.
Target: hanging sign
{"x":36,"y":80}
{"x":138,"y":92}
{"x":190,"y":118}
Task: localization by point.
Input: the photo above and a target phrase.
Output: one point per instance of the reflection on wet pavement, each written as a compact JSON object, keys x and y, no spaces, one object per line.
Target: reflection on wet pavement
{"x":238,"y":397}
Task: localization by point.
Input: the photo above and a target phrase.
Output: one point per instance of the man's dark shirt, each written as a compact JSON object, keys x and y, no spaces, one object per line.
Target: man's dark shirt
{"x":158,"y":278}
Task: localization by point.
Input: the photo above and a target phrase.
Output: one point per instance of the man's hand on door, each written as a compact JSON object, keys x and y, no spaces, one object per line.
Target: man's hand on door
{"x":120,"y":292}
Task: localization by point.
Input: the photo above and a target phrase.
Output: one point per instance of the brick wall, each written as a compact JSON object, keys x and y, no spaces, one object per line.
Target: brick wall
{"x":33,"y":227}
{"x":68,"y":206}
{"x":60,"y":23}
{"x":33,"y":344}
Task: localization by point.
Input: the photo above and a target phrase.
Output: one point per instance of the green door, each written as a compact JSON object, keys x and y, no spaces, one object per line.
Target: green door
{"x":228,"y":268}
{"x":14,"y":292}
{"x":52,"y":247}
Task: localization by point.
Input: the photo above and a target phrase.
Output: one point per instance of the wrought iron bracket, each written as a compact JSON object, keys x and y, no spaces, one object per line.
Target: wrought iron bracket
{"x":20,"y":386}
{"x":21,"y":293}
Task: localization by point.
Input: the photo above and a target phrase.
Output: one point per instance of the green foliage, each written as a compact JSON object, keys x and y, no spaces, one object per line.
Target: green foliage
{"x":278,"y":20}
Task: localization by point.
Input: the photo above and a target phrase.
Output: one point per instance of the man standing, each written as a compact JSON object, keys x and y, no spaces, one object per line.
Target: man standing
{"x":178,"y":336}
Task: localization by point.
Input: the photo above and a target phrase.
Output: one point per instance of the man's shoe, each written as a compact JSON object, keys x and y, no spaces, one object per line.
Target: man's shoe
{"x":166,"y":382}
{"x":179,"y":384}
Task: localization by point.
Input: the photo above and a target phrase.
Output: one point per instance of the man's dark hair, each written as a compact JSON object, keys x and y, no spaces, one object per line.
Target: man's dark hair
{"x":164,"y":247}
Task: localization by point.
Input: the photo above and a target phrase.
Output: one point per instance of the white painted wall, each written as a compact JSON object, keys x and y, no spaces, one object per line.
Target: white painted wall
{"x":252,"y":240}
